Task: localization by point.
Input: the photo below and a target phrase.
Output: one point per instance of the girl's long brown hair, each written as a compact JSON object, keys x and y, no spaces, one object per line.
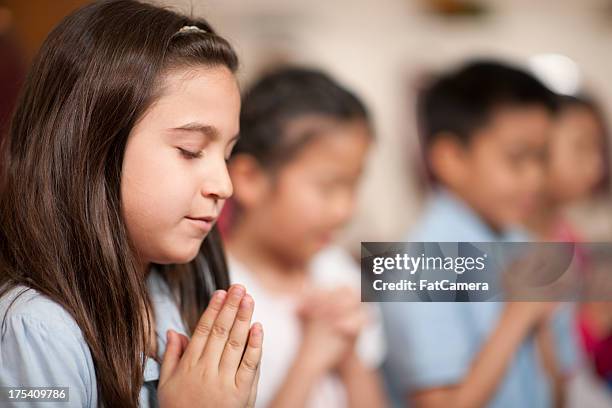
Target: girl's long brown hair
{"x":61,"y":226}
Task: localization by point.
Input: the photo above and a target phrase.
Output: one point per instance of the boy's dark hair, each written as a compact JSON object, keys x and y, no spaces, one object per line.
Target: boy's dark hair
{"x":277,"y":99}
{"x":462,"y":101}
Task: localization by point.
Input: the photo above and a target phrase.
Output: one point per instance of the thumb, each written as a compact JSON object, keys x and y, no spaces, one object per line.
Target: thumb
{"x":184,"y":342}
{"x":172,"y":355}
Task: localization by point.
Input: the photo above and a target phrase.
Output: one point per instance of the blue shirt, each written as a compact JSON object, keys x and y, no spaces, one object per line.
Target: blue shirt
{"x":434,"y":344}
{"x":42,"y":346}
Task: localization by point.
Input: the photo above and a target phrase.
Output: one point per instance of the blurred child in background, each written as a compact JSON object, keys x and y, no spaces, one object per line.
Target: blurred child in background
{"x":576,"y":169}
{"x":485,"y":128}
{"x":295,"y":170}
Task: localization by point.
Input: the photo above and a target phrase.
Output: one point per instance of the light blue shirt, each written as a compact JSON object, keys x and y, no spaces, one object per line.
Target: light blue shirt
{"x":434,"y":344}
{"x":42,"y":346}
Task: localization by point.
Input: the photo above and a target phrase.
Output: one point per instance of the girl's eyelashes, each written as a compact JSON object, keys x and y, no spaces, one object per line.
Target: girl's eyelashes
{"x":188,"y":154}
{"x":197,"y":152}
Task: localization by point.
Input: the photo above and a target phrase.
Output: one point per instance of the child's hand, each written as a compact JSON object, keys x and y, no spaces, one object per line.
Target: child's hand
{"x":341,"y":306}
{"x":184,"y":341}
{"x":533,"y":314}
{"x":345,"y":309}
{"x":332,"y":320}
{"x":322,"y":341}
{"x":219,"y":366}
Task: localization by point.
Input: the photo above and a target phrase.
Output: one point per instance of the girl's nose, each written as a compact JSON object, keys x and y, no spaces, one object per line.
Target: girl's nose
{"x":218,"y":184}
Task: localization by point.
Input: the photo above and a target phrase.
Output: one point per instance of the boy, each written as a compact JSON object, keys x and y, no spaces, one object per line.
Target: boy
{"x":485,"y":128}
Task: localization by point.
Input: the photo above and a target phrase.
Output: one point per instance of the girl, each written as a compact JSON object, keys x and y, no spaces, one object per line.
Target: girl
{"x":115,"y":176}
{"x":576,"y":167}
{"x":576,"y":170}
{"x":295,"y":170}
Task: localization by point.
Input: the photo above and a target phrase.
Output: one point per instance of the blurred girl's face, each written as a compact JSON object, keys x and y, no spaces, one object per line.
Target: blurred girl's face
{"x":575,"y":155}
{"x":174,"y":176}
{"x":313,"y":195}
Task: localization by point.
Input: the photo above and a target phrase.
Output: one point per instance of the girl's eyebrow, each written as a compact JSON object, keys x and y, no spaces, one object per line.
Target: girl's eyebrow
{"x":206,"y":130}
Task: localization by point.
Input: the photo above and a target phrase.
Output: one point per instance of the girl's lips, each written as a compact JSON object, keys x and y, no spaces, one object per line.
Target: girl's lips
{"x":204,"y":224}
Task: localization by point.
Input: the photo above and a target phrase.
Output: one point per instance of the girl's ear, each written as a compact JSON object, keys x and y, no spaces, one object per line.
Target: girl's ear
{"x":250,"y":181}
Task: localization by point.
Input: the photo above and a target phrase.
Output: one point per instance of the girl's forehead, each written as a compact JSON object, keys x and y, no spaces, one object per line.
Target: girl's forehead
{"x":189,"y":79}
{"x":313,"y":127}
{"x":342,"y":147}
{"x":205,"y":95}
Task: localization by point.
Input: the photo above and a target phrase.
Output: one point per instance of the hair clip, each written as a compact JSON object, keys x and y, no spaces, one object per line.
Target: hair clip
{"x":191,"y":29}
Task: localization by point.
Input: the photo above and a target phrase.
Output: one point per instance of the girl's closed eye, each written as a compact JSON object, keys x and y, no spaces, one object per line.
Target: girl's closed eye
{"x":189,"y":154}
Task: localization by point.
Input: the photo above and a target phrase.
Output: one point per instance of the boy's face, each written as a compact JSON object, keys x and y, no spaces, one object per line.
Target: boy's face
{"x":174,"y":177}
{"x":500,"y":172}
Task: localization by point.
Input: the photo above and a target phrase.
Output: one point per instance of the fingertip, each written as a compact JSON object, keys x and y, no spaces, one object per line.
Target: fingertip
{"x":247,"y":301}
{"x":219,"y":295}
{"x":257,"y":330}
{"x":238,"y":288}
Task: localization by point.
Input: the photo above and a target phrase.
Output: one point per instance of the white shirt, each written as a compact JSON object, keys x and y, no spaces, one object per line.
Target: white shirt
{"x":332,"y":267}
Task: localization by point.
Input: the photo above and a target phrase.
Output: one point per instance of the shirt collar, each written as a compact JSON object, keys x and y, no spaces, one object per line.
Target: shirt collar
{"x":447,"y":202}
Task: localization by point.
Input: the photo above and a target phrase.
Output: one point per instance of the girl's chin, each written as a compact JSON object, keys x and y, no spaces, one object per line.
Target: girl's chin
{"x":181,"y":255}
{"x":317,"y":246}
{"x":324,"y":240}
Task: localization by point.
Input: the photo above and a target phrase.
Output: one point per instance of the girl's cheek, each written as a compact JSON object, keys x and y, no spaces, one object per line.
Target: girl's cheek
{"x":176,"y":195}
